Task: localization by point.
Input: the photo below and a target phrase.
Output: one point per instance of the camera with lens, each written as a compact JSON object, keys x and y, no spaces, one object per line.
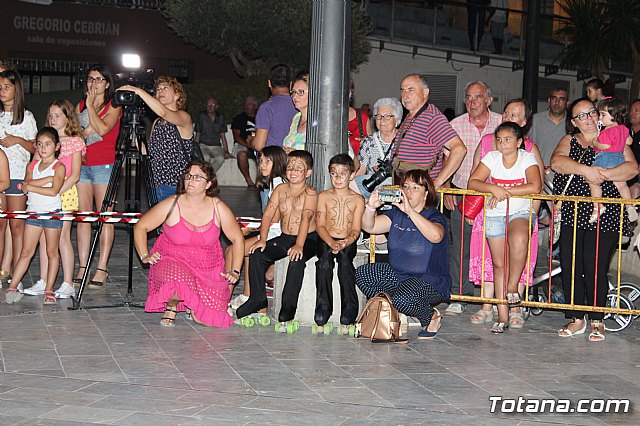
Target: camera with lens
{"x":141,"y":79}
{"x":385,"y":170}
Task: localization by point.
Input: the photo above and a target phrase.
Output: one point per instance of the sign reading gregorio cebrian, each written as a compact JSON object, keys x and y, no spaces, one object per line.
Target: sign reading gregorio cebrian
{"x":68,"y":26}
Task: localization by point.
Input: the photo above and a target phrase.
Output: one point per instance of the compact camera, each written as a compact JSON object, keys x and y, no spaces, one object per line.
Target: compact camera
{"x":389,"y":193}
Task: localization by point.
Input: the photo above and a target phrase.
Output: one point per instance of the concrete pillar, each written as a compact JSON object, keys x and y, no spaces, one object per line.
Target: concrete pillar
{"x":329,"y":85}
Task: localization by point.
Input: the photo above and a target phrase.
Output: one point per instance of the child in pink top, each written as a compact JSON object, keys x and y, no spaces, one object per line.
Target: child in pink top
{"x":63,"y":118}
{"x":609,"y":147}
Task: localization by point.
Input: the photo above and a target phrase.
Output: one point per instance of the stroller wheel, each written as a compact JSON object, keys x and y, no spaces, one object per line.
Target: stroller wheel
{"x":542,"y":298}
{"x":617,"y":322}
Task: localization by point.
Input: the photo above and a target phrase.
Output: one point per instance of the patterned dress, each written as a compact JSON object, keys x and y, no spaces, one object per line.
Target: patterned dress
{"x":190,"y":265}
{"x":170,"y":153}
{"x":68,"y":147}
{"x":295,"y":140}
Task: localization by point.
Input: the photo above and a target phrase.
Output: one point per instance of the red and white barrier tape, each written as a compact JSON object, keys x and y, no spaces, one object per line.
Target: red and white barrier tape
{"x":104,"y":217}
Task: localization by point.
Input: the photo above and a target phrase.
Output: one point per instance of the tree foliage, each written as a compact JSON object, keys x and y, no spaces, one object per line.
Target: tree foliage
{"x":599,"y":31}
{"x":584,"y":29}
{"x":256,"y":34}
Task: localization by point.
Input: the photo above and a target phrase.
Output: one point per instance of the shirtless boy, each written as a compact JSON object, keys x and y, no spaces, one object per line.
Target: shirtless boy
{"x":296,"y":202}
{"x":338,"y":222}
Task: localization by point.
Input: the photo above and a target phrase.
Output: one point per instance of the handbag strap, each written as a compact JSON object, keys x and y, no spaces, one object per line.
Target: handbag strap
{"x":359,"y":115}
{"x":405,"y":126}
{"x":573,"y":174}
{"x":173,"y":206}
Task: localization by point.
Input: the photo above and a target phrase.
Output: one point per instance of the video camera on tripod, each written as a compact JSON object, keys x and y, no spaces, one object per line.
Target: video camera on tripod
{"x":142,"y":79}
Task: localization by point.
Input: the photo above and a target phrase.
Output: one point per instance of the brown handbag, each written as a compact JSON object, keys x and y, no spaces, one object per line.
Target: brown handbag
{"x":379,"y":321}
{"x":401,"y":167}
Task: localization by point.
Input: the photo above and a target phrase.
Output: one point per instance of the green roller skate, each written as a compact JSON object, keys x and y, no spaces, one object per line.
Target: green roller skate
{"x":253,"y":319}
{"x":347,"y":329}
{"x":288,"y":327}
{"x":321,"y":329}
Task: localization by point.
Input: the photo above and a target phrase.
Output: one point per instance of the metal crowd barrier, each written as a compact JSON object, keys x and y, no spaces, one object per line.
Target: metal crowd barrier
{"x":571,"y":305}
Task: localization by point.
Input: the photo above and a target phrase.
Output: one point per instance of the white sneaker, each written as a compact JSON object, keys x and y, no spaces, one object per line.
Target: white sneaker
{"x":238,"y":301}
{"x":65,"y":291}
{"x":455,"y":309}
{"x":35,"y":290}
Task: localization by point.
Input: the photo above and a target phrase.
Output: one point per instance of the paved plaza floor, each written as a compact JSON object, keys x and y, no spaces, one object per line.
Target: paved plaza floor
{"x":119,"y":366}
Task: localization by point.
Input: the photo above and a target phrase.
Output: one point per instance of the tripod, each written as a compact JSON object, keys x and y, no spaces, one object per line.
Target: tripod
{"x":131,"y":145}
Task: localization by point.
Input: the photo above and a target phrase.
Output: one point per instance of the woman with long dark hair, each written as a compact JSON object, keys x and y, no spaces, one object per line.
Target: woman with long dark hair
{"x":17,"y":136}
{"x":100,"y":123}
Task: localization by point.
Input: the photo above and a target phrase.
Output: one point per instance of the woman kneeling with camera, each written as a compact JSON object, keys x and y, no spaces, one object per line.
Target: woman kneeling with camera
{"x":417,"y":275}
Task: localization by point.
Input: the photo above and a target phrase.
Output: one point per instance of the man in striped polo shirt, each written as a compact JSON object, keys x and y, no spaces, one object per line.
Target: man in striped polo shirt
{"x":425,"y":135}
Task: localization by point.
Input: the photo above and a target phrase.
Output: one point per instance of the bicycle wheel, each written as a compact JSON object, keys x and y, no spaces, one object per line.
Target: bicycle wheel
{"x":617,"y":322}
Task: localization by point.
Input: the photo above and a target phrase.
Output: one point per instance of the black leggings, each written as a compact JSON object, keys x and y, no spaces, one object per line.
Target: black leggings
{"x":585,"y":269}
{"x":276,"y":249}
{"x":346,"y":278}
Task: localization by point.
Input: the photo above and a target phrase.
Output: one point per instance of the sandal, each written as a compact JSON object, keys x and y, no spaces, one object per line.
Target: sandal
{"x":79,"y":280}
{"x":566,"y":331}
{"x":513,"y":300}
{"x":597,"y":331}
{"x":482,"y":316}
{"x":516,"y":320}
{"x":5,"y":277}
{"x":50,"y":298}
{"x":99,"y":284}
{"x":436,"y":319}
{"x":499,"y":327}
{"x":168,"y":321}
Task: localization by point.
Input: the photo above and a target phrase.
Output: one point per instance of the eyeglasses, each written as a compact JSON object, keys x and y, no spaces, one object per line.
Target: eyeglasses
{"x":195,"y":178}
{"x":95,"y":79}
{"x":298,"y":92}
{"x":583,"y":116}
{"x":385,"y":117}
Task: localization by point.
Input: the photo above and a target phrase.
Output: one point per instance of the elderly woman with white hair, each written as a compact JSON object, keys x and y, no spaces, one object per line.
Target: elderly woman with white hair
{"x":387,"y":113}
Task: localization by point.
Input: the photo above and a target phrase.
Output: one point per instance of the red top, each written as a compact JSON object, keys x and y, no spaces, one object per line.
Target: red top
{"x":354,"y":131}
{"x":103,"y":152}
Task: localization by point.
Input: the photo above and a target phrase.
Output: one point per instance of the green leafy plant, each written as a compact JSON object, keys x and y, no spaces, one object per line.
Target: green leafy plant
{"x":256,"y":34}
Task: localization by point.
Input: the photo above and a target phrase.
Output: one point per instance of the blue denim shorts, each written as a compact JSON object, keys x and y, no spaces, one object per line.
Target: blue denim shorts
{"x":495,"y":225}
{"x":165,"y":191}
{"x":45,"y":223}
{"x":96,"y":175}
{"x":608,"y":160}
{"x":13,"y":187}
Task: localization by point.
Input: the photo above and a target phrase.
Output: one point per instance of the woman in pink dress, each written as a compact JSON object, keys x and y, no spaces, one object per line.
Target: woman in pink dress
{"x":188,"y":271}
{"x":517,"y":111}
